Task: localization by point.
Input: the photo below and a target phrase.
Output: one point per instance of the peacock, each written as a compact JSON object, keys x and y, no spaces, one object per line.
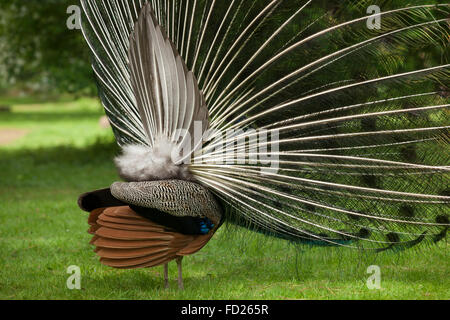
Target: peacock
{"x":304,"y":120}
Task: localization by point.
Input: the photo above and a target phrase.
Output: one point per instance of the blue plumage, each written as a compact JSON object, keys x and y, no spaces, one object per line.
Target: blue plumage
{"x":206,"y":225}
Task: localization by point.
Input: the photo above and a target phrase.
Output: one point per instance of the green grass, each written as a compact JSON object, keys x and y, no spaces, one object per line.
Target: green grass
{"x":42,"y":232}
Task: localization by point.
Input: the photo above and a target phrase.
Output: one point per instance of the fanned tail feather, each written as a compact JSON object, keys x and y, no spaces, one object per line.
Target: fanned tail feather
{"x":362,"y":134}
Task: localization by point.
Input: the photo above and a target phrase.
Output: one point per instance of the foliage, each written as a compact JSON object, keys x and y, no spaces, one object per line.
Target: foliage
{"x":39,"y":53}
{"x":37,"y":50}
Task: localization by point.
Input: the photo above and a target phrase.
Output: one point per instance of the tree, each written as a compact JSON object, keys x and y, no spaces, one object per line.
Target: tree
{"x":39,"y":52}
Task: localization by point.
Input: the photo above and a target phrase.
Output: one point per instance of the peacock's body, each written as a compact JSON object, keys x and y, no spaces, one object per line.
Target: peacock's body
{"x":287,"y":117}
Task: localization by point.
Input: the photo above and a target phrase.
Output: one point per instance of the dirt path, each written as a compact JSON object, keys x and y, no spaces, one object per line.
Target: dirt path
{"x":8,"y":136}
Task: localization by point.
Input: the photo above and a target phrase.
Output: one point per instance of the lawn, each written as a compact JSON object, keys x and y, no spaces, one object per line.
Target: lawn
{"x":62,"y":151}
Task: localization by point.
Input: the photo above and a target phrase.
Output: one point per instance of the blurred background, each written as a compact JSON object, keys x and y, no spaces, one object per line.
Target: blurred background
{"x":55,"y":144}
{"x":45,"y":75}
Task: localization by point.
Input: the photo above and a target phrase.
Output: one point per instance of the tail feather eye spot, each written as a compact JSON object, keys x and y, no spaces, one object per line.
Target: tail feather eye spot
{"x":364,"y":233}
{"x":369,"y":124}
{"x":354,"y":217}
{"x":445,"y":193}
{"x":409,"y":153}
{"x":285,"y":189}
{"x":369,"y":180}
{"x":442,"y":219}
{"x":393,"y":237}
{"x":277,"y":204}
{"x":407,"y":211}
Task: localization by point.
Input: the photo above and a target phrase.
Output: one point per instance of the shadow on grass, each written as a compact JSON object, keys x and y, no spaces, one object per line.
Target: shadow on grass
{"x":32,"y":173}
{"x":101,"y":149}
{"x":36,"y":116}
{"x":10,"y":100}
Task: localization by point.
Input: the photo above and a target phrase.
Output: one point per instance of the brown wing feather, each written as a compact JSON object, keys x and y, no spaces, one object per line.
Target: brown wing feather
{"x":124,"y":239}
{"x":198,"y":243}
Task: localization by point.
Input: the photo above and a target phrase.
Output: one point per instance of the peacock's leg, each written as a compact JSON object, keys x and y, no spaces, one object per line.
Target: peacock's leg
{"x":180,"y":276}
{"x":166,"y":275}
